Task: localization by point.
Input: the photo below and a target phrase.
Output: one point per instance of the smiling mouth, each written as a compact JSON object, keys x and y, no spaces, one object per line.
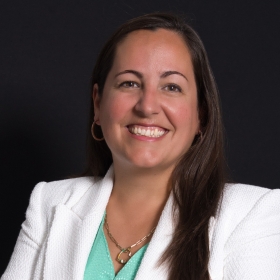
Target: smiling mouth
{"x":154,"y":132}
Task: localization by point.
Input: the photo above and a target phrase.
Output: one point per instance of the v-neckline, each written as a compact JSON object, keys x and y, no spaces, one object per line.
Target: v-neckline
{"x":109,"y":255}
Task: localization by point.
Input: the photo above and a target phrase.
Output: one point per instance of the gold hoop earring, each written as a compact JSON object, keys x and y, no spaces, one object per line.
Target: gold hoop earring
{"x":92,"y":133}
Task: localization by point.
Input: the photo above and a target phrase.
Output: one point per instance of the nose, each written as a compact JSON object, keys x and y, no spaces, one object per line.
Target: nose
{"x":148,"y":103}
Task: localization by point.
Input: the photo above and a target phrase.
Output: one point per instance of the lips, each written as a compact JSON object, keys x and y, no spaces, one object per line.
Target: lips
{"x":150,"y":131}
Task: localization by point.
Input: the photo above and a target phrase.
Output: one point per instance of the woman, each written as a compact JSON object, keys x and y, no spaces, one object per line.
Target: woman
{"x":155,"y":205}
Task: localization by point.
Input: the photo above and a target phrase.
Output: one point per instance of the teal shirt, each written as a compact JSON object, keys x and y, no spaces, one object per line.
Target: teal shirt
{"x":100,"y":266}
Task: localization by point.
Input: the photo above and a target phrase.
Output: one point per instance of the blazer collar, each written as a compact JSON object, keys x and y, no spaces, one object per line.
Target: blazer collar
{"x":95,"y":200}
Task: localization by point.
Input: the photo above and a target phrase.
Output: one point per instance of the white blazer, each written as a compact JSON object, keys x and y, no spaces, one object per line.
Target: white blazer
{"x":63,"y":218}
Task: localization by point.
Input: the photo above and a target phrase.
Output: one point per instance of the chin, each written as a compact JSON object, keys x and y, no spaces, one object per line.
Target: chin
{"x":151,"y":164}
{"x":144,"y":159}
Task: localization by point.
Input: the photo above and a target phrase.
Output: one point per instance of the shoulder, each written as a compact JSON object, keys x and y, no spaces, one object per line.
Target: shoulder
{"x":46,"y":196}
{"x":248,"y":212}
{"x":79,"y":196}
{"x":72,"y":193}
{"x":43,"y":201}
{"x":242,"y":198}
{"x":245,"y":233}
{"x":69,"y":191}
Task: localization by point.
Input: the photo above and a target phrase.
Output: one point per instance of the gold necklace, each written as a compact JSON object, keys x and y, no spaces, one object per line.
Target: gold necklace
{"x":128,"y":249}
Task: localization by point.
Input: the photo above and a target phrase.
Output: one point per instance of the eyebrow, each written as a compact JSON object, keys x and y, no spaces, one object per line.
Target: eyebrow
{"x":139,"y":75}
{"x":168,"y":73}
{"x":136,"y":73}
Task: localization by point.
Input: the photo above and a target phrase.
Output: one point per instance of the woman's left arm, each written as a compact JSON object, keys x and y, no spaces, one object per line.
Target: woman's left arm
{"x":253,"y":248}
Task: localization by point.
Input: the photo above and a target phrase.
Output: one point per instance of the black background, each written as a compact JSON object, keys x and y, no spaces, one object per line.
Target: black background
{"x":47,"y":52}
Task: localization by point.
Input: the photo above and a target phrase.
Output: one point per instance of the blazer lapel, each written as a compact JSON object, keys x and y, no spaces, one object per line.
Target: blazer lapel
{"x":73,"y":231}
{"x":149,"y":268}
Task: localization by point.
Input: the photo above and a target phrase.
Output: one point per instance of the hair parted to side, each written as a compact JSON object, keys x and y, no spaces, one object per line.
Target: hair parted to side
{"x":199,"y":177}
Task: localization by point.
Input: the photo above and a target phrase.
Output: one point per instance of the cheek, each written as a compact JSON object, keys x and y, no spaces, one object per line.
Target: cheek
{"x":113,"y":109}
{"x":187,"y":119}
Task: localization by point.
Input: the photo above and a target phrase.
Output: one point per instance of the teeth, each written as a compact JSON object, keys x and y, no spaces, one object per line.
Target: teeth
{"x":149,"y":132}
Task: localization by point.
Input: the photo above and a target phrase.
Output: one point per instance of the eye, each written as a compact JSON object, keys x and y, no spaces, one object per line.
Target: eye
{"x":173,"y":87}
{"x":129,"y":84}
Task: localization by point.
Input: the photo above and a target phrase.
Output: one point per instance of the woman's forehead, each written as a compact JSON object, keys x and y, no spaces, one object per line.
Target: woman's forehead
{"x":153,"y":49}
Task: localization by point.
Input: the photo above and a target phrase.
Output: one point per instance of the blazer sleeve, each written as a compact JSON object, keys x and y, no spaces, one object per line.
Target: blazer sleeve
{"x":253,"y":248}
{"x":32,"y":234}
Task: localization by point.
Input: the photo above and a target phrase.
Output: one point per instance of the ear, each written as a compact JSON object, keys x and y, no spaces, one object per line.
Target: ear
{"x":96,"y":103}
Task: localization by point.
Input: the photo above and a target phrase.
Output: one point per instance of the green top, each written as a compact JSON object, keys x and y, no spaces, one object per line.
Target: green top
{"x":100,"y":266}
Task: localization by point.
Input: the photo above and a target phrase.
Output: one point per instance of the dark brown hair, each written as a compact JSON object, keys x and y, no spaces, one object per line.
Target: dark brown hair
{"x":199,"y":177}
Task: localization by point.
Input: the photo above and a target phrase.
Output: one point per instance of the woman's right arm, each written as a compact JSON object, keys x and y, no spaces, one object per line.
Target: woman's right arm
{"x":33,"y":232}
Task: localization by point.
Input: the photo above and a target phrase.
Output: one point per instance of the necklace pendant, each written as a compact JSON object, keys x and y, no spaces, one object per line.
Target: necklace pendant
{"x":123,"y":251}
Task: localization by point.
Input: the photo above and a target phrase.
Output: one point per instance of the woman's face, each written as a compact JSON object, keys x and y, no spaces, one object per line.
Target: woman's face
{"x":149,"y":109}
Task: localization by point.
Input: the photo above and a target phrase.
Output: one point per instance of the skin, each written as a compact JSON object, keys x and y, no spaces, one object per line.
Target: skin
{"x":151,"y":86}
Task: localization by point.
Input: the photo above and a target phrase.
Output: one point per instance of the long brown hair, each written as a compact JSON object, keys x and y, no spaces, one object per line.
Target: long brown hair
{"x":199,"y":177}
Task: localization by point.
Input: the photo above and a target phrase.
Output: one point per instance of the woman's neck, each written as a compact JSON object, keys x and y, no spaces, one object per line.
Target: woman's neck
{"x":141,"y":185}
